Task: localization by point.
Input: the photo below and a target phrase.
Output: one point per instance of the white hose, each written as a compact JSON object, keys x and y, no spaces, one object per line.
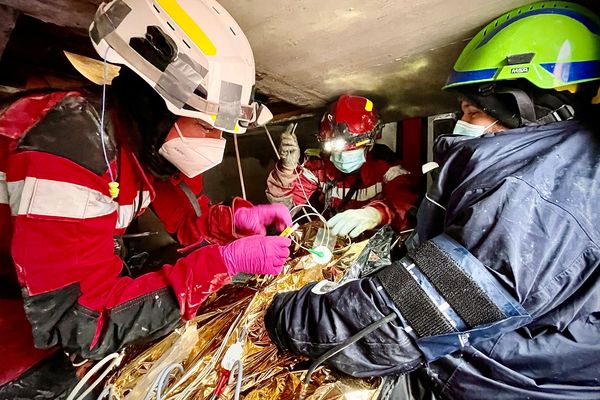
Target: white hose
{"x":105,"y":64}
{"x":434,"y":202}
{"x":158,"y":386}
{"x":115,"y":359}
{"x":240,"y":373}
{"x":209,"y":367}
{"x":107,"y":392}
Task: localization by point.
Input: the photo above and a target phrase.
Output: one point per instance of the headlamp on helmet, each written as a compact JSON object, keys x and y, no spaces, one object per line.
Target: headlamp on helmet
{"x":350,"y":123}
{"x":334,"y":145}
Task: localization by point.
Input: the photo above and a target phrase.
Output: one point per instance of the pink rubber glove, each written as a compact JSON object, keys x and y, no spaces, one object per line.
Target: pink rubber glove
{"x":256,"y":255}
{"x":254,"y":220}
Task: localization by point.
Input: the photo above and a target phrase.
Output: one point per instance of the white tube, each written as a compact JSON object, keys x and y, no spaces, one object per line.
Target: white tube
{"x":239,"y":164}
{"x":116,"y":360}
{"x":272,"y":142}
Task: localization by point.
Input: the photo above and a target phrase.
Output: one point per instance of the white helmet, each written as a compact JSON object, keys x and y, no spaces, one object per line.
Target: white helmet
{"x":211,"y":75}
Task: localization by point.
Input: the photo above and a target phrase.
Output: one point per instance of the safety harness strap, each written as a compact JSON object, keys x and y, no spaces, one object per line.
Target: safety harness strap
{"x":463,"y":294}
{"x":191,"y":197}
{"x":415,"y":306}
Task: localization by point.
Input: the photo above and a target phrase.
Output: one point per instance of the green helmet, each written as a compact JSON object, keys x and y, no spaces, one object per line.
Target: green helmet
{"x":550,"y":44}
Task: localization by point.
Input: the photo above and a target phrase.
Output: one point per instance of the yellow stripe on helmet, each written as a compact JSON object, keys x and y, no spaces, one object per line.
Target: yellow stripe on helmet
{"x":187,"y":24}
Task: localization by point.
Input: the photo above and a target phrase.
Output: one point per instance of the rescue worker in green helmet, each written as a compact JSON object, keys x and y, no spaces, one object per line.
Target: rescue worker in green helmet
{"x":498,"y":296}
{"x":76,"y":170}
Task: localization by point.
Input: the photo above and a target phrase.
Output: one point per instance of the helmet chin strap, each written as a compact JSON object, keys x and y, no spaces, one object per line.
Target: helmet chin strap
{"x":524,"y":102}
{"x":526,"y":107}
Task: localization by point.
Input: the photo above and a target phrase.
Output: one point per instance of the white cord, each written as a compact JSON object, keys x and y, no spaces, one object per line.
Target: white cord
{"x":238,"y":385}
{"x":434,"y":202}
{"x":112,"y":178}
{"x":158,"y":386}
{"x":272,"y":142}
{"x":80,"y":363}
{"x":314,"y":212}
{"x":310,"y":207}
{"x":209,"y":366}
{"x":239,"y":164}
{"x":302,"y":186}
{"x":400,"y":236}
{"x":116,"y":360}
{"x":108,"y":392}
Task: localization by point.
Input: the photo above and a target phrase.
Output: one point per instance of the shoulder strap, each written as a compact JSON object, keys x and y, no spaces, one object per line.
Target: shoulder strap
{"x":351,"y":192}
{"x":191,"y":197}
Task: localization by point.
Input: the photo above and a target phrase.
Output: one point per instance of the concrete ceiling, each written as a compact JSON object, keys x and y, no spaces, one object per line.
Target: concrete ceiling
{"x":399,"y":52}
{"x":307,"y":52}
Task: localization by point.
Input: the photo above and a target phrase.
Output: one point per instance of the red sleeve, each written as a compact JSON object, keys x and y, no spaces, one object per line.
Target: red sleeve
{"x":293,"y":187}
{"x":398,"y":197}
{"x":63,"y":249}
{"x":173,"y":207}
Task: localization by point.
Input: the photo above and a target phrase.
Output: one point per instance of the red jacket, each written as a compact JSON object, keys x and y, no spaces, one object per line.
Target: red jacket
{"x":381,"y":182}
{"x":58,"y":227}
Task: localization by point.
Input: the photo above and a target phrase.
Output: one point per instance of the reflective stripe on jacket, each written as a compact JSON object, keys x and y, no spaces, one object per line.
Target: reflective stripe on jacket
{"x":381,"y":182}
{"x":59,"y":223}
{"x":508,"y":305}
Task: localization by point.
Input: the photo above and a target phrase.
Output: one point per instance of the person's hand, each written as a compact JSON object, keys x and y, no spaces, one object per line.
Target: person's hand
{"x":354,"y":222}
{"x":254,"y":220}
{"x":256,"y":255}
{"x":289,"y":151}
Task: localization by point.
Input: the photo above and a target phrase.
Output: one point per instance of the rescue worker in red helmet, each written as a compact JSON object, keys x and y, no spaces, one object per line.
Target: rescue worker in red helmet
{"x":76,"y":170}
{"x":360,"y":183}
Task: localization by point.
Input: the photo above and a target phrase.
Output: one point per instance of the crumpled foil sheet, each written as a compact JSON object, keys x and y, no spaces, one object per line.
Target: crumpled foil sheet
{"x":268,"y":374}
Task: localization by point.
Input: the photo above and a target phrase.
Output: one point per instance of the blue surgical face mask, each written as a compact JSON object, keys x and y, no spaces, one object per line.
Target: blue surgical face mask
{"x":466,"y":129}
{"x":348,"y":161}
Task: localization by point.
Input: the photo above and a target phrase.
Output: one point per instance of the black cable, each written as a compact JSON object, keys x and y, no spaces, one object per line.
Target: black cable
{"x":342,"y":346}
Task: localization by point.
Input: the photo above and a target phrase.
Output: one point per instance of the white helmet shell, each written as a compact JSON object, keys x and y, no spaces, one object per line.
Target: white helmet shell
{"x":212,"y":75}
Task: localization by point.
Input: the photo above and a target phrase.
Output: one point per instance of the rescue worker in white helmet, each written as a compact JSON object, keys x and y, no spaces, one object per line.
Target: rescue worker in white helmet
{"x":75,"y":171}
{"x":361,"y":183}
{"x":498,"y":296}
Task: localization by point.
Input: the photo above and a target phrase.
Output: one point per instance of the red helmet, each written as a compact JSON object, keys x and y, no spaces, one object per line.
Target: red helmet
{"x":351,"y":122}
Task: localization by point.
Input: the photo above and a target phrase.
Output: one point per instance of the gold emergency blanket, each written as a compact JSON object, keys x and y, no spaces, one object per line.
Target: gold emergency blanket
{"x":267,"y":374}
